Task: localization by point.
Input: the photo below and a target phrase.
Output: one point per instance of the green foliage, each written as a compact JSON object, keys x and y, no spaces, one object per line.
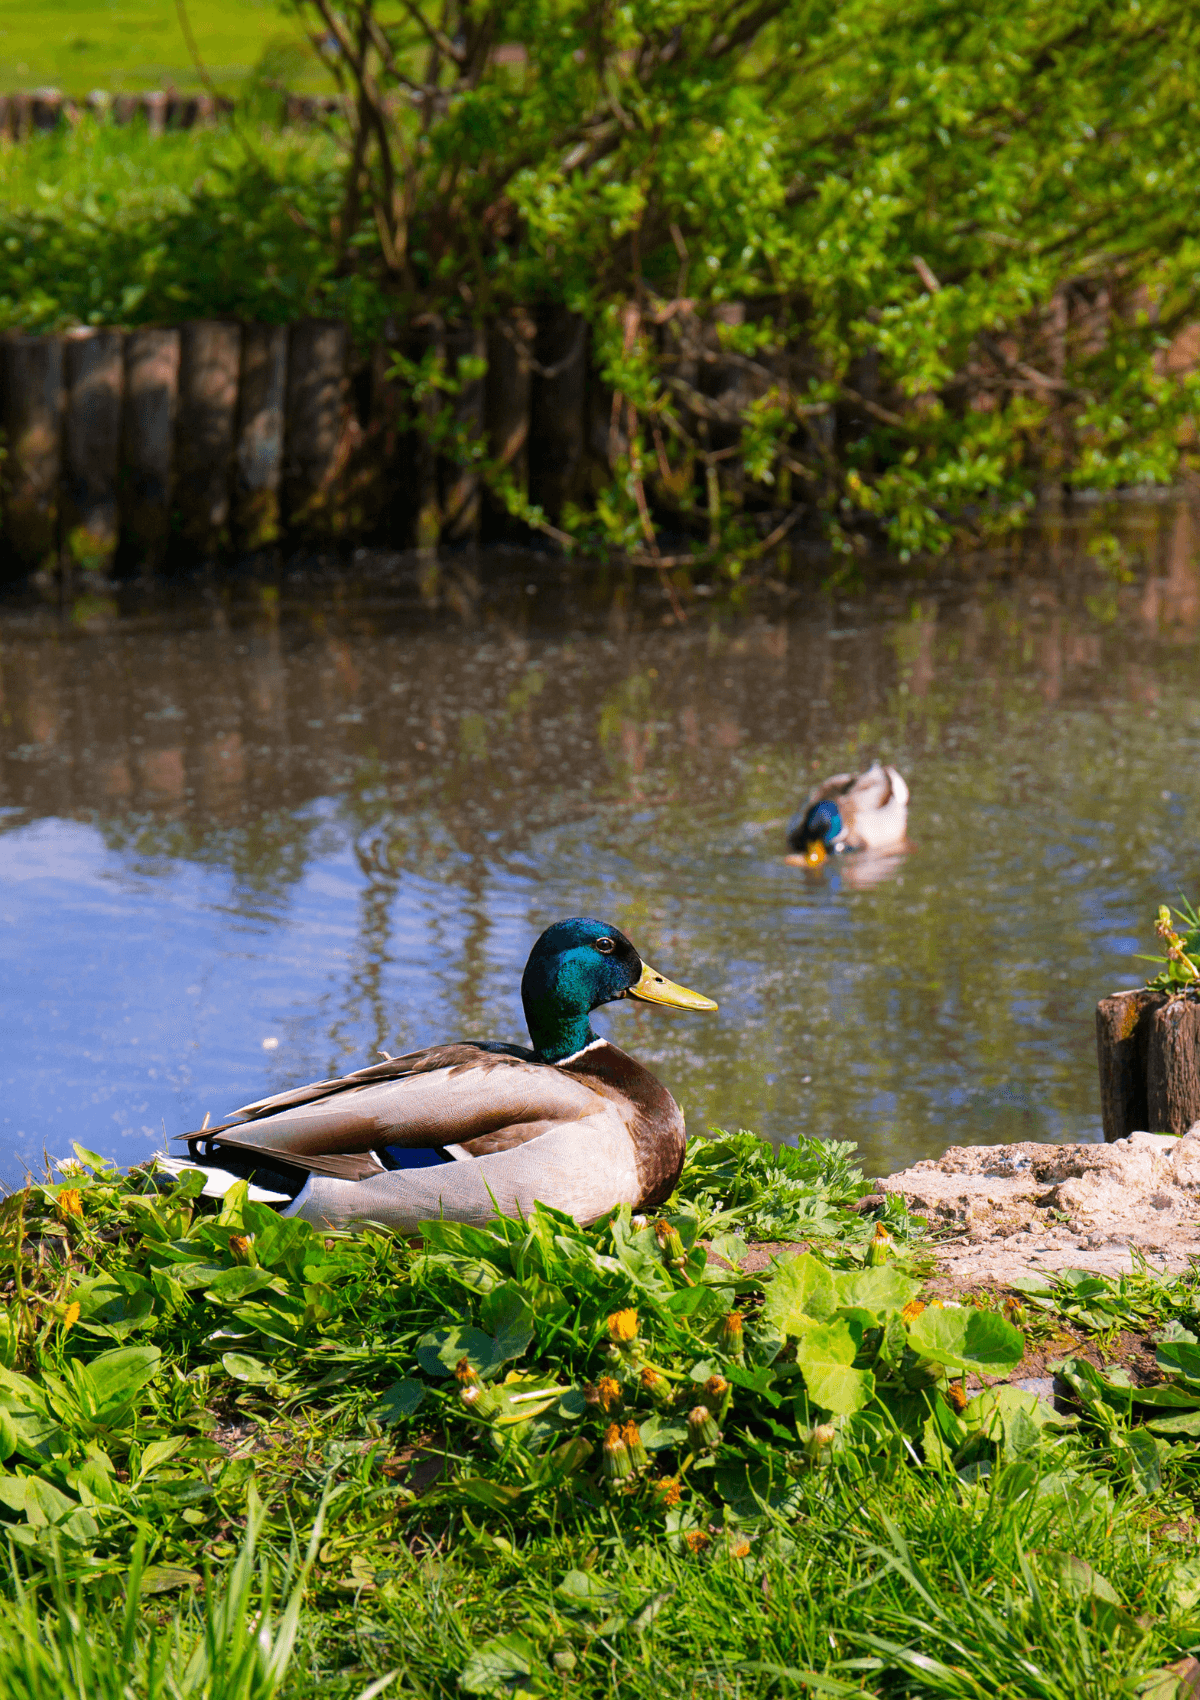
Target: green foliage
{"x":1181,"y":964}
{"x":888,"y":261}
{"x":494,"y":1438}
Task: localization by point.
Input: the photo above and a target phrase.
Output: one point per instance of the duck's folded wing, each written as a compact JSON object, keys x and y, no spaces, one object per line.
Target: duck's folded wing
{"x":452,"y":1095}
{"x":582,"y":1168}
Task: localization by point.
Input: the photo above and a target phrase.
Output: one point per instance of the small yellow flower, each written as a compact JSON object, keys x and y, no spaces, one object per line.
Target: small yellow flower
{"x":623,"y":1327}
{"x":696,"y":1540}
{"x":957,"y":1395}
{"x":740,"y":1549}
{"x":609,"y":1392}
{"x":70,"y":1203}
{"x":912,"y":1310}
{"x":668,"y":1490}
{"x":239,"y":1245}
{"x":70,"y":1316}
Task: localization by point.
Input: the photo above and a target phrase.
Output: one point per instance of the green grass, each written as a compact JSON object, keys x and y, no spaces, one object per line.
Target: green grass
{"x":452,"y":1432}
{"x":77,"y":45}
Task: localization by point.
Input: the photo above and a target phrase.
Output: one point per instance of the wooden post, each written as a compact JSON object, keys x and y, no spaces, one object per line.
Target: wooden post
{"x":47,"y":109}
{"x":148,"y":437}
{"x":154,"y":105}
{"x":1173,"y":1067}
{"x":31,"y":418}
{"x":258,"y":457}
{"x":460,"y":484}
{"x":314,"y":427}
{"x":556,"y":421}
{"x":20,"y":115}
{"x":125,"y":108}
{"x":1122,"y":1030}
{"x":506,"y":393}
{"x":209,"y":357}
{"x":95,"y":377}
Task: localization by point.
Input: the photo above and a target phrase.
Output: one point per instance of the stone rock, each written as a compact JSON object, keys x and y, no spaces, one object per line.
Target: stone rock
{"x":1002,"y":1210}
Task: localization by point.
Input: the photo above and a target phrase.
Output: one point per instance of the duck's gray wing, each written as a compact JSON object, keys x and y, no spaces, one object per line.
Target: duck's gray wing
{"x":473,"y":1096}
{"x":583,"y":1168}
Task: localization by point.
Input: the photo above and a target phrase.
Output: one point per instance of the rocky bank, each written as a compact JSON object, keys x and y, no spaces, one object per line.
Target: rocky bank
{"x":998,"y":1211}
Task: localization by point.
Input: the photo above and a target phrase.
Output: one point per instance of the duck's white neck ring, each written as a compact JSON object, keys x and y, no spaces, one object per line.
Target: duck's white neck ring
{"x":563,"y":1061}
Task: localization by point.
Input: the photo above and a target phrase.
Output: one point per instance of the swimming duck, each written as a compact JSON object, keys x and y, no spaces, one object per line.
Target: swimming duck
{"x":850,"y":811}
{"x":468,"y":1131}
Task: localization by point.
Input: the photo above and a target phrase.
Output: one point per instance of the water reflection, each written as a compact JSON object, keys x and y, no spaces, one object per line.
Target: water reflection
{"x":333,"y":812}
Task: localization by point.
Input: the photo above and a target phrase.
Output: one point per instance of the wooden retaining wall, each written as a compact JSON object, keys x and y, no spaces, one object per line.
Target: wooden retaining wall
{"x":26,"y":113}
{"x":124,"y":450}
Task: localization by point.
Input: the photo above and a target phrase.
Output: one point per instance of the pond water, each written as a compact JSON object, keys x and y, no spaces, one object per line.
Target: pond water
{"x":251,"y":831}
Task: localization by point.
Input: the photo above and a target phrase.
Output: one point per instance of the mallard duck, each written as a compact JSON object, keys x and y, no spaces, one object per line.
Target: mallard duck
{"x":471,"y":1130}
{"x":850,"y":811}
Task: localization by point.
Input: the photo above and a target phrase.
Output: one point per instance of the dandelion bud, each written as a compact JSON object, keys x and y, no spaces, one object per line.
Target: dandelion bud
{"x":670,"y":1245}
{"x":482,"y":1402}
{"x":608,"y":1392}
{"x":466,"y":1375}
{"x":880,"y":1248}
{"x":730,"y":1337}
{"x":1016,"y":1312}
{"x":823,"y":1434}
{"x":669,"y":1492}
{"x":239,"y":1245}
{"x":615,"y":1456}
{"x":716,"y":1387}
{"x":631,"y":1434}
{"x":696,"y":1540}
{"x":637,"y":1222}
{"x":703,"y":1433}
{"x":623,"y":1327}
{"x":70,"y":1203}
{"x":739,"y":1547}
{"x":957,"y":1395}
{"x":656,"y":1385}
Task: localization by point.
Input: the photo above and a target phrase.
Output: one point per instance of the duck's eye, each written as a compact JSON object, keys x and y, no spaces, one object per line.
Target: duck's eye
{"x":606,"y":946}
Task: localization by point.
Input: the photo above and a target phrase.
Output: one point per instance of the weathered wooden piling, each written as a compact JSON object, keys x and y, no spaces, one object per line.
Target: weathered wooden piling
{"x":154,"y":105}
{"x":95,"y":384}
{"x":1148,"y":1048}
{"x":31,"y":419}
{"x":258,"y":454}
{"x":460,"y":483}
{"x":46,"y":109}
{"x":507,"y":388}
{"x":209,"y":360}
{"x":556,"y":408}
{"x":125,"y":108}
{"x":315,"y":420}
{"x":147,"y":443}
{"x":20,"y":116}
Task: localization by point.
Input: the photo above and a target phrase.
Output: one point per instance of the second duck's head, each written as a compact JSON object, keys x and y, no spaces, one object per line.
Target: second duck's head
{"x":818,"y":833}
{"x":576,"y":966}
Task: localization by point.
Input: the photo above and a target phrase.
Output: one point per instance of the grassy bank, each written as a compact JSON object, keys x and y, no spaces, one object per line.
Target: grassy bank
{"x":540,"y":1459}
{"x":78,"y":45}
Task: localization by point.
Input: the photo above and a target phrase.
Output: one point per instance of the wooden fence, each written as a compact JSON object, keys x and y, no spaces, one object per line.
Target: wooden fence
{"x":26,"y":113}
{"x":125,"y":448}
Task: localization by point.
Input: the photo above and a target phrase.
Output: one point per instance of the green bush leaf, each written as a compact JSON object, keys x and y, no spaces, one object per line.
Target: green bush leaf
{"x":242,"y":1367}
{"x":501,"y":1666}
{"x":402,"y":1398}
{"x":439,"y":1351}
{"x":825,"y":1354}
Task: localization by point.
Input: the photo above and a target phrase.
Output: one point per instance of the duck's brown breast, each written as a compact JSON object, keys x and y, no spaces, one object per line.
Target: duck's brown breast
{"x":653,"y":1118}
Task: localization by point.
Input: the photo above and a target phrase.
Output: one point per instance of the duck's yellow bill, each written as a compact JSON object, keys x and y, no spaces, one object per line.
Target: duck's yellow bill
{"x":814,"y":854}
{"x":654,"y":987}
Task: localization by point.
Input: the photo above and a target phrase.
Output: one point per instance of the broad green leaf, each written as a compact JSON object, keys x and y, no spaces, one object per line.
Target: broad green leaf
{"x":825,"y":1353}
{"x":242,"y":1367}
{"x":800,"y":1293}
{"x":401,"y":1399}
{"x":502,"y":1665}
{"x":978,"y":1341}
{"x":166,"y":1578}
{"x":1186,"y":1423}
{"x":440,"y":1351}
{"x":876,"y":1291}
{"x":508,"y":1315}
{"x":237,"y":1283}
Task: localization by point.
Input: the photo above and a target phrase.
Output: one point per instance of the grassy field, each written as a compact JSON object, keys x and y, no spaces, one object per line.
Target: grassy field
{"x":535,"y":1459}
{"x":77,"y":45}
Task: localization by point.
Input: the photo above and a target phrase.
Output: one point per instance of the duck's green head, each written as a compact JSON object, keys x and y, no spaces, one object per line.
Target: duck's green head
{"x":576,"y":966}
